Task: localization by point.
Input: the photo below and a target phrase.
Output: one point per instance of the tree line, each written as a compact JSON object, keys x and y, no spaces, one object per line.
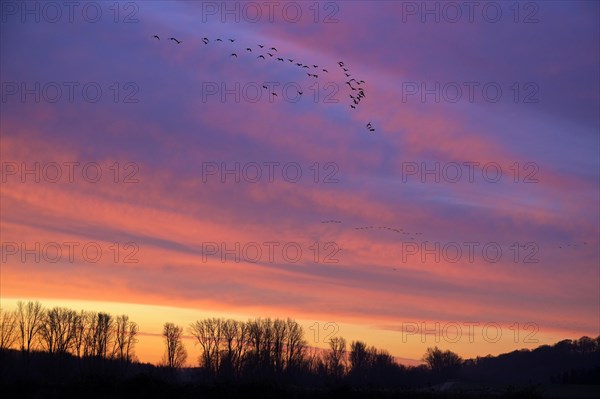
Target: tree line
{"x":263,"y":350}
{"x":63,"y":331}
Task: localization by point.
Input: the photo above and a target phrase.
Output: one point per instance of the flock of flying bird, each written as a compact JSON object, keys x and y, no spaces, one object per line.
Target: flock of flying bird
{"x":414,"y":234}
{"x":355,"y":86}
{"x":399,"y":231}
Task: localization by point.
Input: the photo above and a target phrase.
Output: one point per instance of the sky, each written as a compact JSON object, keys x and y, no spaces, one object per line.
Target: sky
{"x":455,"y":205}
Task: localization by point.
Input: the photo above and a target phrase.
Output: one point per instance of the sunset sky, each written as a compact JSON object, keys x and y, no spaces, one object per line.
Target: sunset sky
{"x":91,"y":91}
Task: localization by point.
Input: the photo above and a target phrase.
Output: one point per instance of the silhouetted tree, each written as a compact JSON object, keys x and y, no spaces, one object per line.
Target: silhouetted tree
{"x":208,"y":334}
{"x":30,"y":318}
{"x":336,"y":357}
{"x":58,"y":330}
{"x":444,"y":363}
{"x":8,"y":329}
{"x":175,"y":355}
{"x":124,"y":338}
{"x":295,"y":344}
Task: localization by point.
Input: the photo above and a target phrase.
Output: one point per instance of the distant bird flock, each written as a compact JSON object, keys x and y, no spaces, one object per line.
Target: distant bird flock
{"x":355,"y":86}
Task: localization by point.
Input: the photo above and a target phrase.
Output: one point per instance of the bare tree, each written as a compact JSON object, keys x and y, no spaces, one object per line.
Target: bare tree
{"x":80,"y":331}
{"x":58,"y":330}
{"x":97,"y":334}
{"x":336,"y":356}
{"x":280,"y":333}
{"x":8,"y":329}
{"x":234,"y":336}
{"x":103,"y":334}
{"x":125,"y":332}
{"x":175,"y":355}
{"x":208,"y":334}
{"x":30,"y":317}
{"x":295,"y":344}
{"x":359,"y":357}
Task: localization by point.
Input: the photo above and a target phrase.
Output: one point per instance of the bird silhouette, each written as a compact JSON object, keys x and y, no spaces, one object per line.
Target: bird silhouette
{"x":273,"y":48}
{"x":299,"y":64}
{"x":315,"y":66}
{"x":290,"y":60}
{"x":261,"y":46}
{"x":345,"y":69}
{"x":219,"y":40}
{"x":265,"y":87}
{"x":279,"y":59}
{"x":178,"y":41}
{"x":352,"y":106}
{"x":232,"y":40}
{"x":248,"y":49}
{"x":300,"y":92}
{"x":270,"y":54}
{"x":261,"y":56}
{"x":340,"y":63}
{"x":347,"y":75}
{"x":304,"y":66}
{"x":233,"y":55}
{"x":275,"y":94}
{"x":325,"y":70}
{"x":205,"y":40}
{"x":156,"y":36}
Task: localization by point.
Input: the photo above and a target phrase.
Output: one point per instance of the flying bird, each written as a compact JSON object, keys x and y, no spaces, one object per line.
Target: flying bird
{"x":270,"y":54}
{"x":340,"y":63}
{"x":290,"y":60}
{"x":261,"y":46}
{"x":325,"y":70}
{"x":275,"y":94}
{"x":273,"y":48}
{"x":279,"y":59}
{"x":156,"y":36}
{"x":315,"y":66}
{"x":352,"y":106}
{"x":233,"y":54}
{"x":265,"y":87}
{"x":298,"y":64}
{"x":299,"y":92}
{"x":219,"y":40}
{"x":232,"y":40}
{"x":347,"y":74}
{"x":261,"y":56}
{"x":345,"y":69}
{"x":178,"y":41}
{"x":248,"y":49}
